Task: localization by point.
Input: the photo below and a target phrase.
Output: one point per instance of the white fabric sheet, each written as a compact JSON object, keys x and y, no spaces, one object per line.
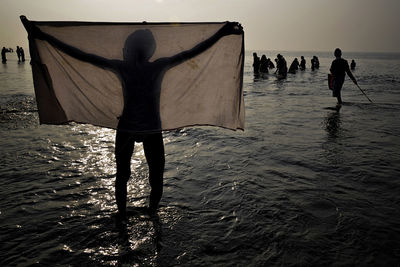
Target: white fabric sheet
{"x":203,"y":90}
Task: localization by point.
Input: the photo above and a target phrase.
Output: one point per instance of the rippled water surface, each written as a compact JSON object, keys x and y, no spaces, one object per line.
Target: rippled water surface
{"x":303,"y":185}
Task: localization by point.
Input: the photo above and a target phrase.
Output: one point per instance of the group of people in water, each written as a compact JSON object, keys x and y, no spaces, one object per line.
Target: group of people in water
{"x":339,"y":69}
{"x":20,"y":54}
{"x":264,"y":64}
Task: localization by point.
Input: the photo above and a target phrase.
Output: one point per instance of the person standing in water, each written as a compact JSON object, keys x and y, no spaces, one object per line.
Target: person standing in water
{"x":18,"y":54}
{"x":141,"y":80}
{"x":3,"y":54}
{"x":264,"y":64}
{"x":338,"y":69}
{"x":302,"y":63}
{"x":352,"y":65}
{"x":256,"y":63}
{"x":294,"y":66}
{"x":22,"y":53}
{"x":281,"y":67}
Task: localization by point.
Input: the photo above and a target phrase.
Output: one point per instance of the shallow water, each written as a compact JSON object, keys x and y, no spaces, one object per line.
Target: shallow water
{"x":303,"y":185}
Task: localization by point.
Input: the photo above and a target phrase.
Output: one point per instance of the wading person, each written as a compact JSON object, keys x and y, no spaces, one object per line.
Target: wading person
{"x":256,"y":63}
{"x":338,"y":69}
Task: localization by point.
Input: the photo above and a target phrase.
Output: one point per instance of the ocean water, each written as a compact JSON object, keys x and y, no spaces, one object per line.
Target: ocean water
{"x":303,"y":185}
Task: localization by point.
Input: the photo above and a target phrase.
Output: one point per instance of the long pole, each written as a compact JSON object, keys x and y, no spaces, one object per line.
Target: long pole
{"x":364,"y":93}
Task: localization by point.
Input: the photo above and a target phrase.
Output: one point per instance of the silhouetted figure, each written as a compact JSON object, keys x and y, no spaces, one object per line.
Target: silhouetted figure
{"x":302,"y":63}
{"x":281,"y":67}
{"x":264,"y":64}
{"x":339,"y":68}
{"x":141,"y":81}
{"x":3,"y":54}
{"x":352,"y":64}
{"x":270,"y":64}
{"x":22,"y":53}
{"x":18,"y":54}
{"x":314,"y":63}
{"x":256,"y":63}
{"x":294,"y":66}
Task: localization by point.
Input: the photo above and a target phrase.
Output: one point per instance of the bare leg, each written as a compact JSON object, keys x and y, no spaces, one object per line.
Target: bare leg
{"x":124,"y":145}
{"x":339,"y":98}
{"x":154,"y":151}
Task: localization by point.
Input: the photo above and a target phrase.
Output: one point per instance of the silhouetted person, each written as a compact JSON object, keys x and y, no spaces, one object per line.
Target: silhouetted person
{"x":352,"y":64}
{"x":302,"y":63}
{"x":270,"y":64}
{"x":22,"y":53}
{"x":281,"y":66}
{"x":312,"y":63}
{"x":316,"y":62}
{"x":3,"y":54}
{"x":256,"y":63}
{"x":263,"y":64}
{"x":141,"y":81}
{"x":294,"y":66}
{"x":339,"y":68}
{"x":18,"y":54}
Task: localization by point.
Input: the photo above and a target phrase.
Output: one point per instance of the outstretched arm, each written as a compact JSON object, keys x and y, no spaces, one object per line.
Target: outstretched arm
{"x":227,"y":29}
{"x":35,"y":32}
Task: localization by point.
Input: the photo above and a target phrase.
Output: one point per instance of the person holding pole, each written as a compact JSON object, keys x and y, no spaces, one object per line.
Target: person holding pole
{"x":338,"y":69}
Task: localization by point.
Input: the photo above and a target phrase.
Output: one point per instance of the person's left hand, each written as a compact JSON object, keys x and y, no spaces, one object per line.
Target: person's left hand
{"x":232,"y":28}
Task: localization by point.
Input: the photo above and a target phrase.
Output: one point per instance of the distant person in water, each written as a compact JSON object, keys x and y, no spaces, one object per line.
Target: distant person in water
{"x":314,"y":63}
{"x":338,"y":69}
{"x":18,"y":54}
{"x":270,"y":64}
{"x":302,"y":63}
{"x":256,"y":63}
{"x":352,"y":64}
{"x":281,"y":67}
{"x":141,"y":80}
{"x":22,"y":53}
{"x":3,"y":54}
{"x":294,"y":66}
{"x":264,"y":64}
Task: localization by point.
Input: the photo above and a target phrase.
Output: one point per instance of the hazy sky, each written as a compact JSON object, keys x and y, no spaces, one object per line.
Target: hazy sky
{"x":299,"y":25}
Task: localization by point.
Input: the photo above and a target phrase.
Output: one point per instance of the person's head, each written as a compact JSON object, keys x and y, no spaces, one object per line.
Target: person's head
{"x":263,"y":57}
{"x":302,"y":57}
{"x":140,"y":45}
{"x":338,"y":52}
{"x":279,"y":56}
{"x":254,"y":54}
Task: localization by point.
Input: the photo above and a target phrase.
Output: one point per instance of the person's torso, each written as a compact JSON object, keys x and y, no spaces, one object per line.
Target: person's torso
{"x":339,"y":67}
{"x":141,"y":90}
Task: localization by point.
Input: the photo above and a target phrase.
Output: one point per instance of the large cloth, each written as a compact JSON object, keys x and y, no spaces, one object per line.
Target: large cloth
{"x":203,"y":90}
